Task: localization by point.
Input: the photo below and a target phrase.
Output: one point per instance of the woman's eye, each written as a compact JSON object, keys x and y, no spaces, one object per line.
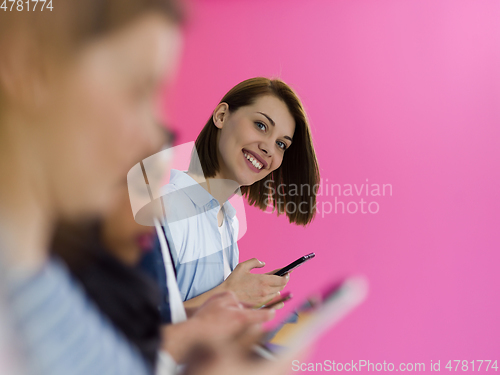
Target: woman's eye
{"x":260,"y":125}
{"x":281,"y":145}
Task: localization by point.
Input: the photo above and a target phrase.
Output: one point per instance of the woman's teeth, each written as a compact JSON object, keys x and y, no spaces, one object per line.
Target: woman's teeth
{"x":255,"y":163}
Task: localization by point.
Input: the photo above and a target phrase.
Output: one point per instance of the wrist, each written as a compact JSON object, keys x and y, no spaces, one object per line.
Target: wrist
{"x":222,"y":288}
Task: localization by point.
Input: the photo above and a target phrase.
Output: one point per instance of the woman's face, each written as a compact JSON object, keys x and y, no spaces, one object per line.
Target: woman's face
{"x":101,"y":119}
{"x":253,"y":139}
{"x":121,"y":234}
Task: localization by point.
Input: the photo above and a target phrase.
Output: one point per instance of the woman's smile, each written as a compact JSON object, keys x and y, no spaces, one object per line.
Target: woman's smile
{"x":254,"y":162}
{"x":260,"y":132}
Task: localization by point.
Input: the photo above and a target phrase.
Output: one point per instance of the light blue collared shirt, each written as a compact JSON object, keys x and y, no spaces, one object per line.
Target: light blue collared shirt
{"x":193,"y":236}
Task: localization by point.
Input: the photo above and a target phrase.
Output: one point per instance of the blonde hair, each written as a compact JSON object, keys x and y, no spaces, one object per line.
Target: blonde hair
{"x":52,"y":36}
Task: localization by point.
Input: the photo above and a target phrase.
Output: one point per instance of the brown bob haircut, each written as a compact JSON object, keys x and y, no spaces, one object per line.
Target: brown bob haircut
{"x":291,"y":188}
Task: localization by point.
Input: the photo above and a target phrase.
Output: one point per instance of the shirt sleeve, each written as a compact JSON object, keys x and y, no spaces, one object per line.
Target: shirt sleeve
{"x":61,"y":330}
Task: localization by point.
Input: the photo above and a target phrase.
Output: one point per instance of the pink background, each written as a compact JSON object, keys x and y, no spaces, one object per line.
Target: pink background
{"x":398,"y":92}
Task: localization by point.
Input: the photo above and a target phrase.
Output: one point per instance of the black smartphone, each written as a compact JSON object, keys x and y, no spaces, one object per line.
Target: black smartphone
{"x":293,"y":265}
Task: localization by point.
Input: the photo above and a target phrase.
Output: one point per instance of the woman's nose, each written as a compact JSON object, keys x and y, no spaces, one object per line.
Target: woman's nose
{"x":265,"y":148}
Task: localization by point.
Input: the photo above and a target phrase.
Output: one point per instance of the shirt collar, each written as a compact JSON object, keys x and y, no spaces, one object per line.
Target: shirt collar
{"x":193,"y":190}
{"x":197,"y":193}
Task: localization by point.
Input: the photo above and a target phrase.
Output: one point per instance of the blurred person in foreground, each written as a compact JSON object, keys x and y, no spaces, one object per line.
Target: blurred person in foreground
{"x":77,"y":90}
{"x":77,"y":93}
{"x":102,"y":254}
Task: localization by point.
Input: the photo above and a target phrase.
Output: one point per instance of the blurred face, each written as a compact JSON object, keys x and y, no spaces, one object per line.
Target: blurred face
{"x":253,"y":139}
{"x":122,"y":235}
{"x":100,"y":119}
{"x":120,"y":232}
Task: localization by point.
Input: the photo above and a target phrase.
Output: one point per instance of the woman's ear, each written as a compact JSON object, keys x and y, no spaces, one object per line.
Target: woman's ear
{"x":220,"y":114}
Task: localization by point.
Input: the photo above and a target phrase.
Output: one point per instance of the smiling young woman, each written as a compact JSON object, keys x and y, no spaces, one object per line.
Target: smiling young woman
{"x":287,"y":127}
{"x":257,"y":138}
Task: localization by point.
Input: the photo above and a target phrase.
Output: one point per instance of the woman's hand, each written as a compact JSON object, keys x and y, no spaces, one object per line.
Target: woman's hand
{"x":237,"y":357}
{"x":254,"y":289}
{"x":219,"y":319}
{"x":222,"y":316}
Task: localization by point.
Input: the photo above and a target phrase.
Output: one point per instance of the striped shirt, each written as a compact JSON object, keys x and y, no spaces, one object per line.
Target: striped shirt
{"x":62,"y":332}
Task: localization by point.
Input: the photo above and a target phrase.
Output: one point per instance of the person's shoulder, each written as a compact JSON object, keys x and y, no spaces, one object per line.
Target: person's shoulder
{"x":175,"y":196}
{"x":177,"y":203}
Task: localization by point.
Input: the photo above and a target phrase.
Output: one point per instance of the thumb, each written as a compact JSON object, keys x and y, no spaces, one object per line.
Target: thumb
{"x":252,"y":263}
